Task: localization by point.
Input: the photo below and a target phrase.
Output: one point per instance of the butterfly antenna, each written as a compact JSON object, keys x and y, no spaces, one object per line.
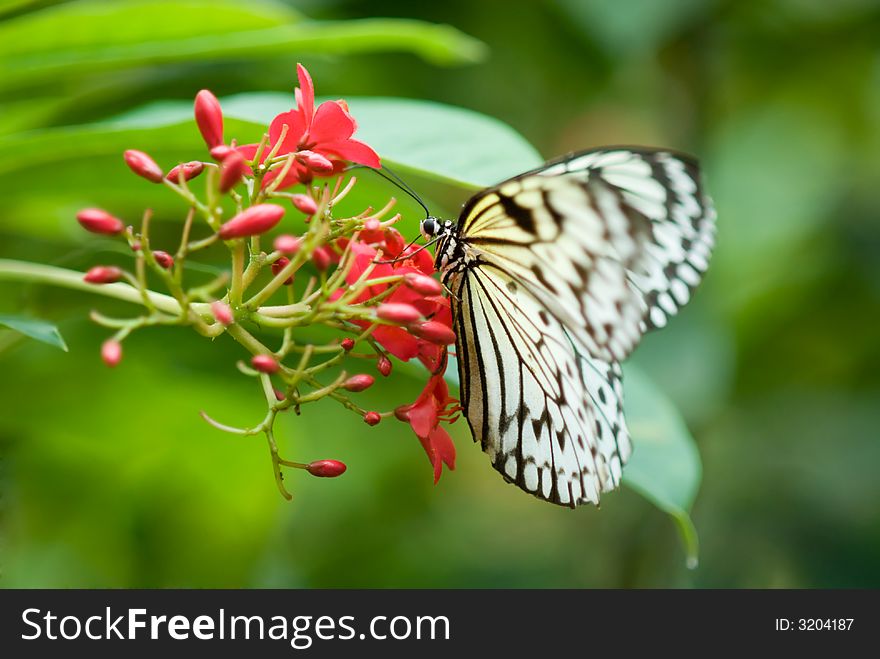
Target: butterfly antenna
{"x":395,"y":180}
{"x":403,"y":256}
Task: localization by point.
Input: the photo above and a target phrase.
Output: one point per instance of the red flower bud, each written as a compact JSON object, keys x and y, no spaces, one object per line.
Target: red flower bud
{"x":304,"y":203}
{"x":142,"y":165}
{"x":209,"y":118}
{"x":422,"y":284}
{"x":321,"y":259}
{"x":279,"y":395}
{"x":219,"y":153}
{"x":398,"y":312}
{"x":190,"y":171}
{"x":103,"y":274}
{"x":434,"y":332}
{"x":326,"y":468}
{"x":394,"y":242}
{"x":252,"y":222}
{"x":347,"y":344}
{"x":98,"y":221}
{"x":278,"y":266}
{"x":222,"y":312}
{"x":384,"y":365}
{"x":287,"y":244}
{"x":315,"y":161}
{"x":111,"y":352}
{"x":164,"y":259}
{"x":358,"y":382}
{"x":264,"y":364}
{"x":136,"y":246}
{"x":372,"y":418}
{"x":231,"y":170}
{"x":372,"y":231}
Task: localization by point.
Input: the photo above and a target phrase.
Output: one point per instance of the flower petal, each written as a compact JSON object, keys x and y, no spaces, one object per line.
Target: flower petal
{"x":293,"y":176}
{"x":295,"y":129}
{"x":331,"y":124}
{"x":305,"y":99}
{"x":397,"y":341}
{"x":248,"y":151}
{"x":353,"y":151}
{"x":442,"y":443}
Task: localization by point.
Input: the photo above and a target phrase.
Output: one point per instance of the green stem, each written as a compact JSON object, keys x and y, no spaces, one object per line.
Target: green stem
{"x":37,"y":273}
{"x":235,"y":291}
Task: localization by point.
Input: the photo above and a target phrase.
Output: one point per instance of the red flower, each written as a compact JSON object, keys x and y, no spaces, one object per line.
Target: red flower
{"x":399,"y":341}
{"x":326,"y":131}
{"x":434,"y":403}
{"x":424,"y":415}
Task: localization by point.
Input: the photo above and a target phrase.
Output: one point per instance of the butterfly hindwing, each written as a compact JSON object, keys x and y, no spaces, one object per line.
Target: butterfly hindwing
{"x":551,"y":421}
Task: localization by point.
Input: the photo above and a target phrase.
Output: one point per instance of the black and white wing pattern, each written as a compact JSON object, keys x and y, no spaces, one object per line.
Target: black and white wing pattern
{"x":612,"y":241}
{"x":666,"y":189}
{"x":551,"y":420}
{"x":555,"y":276}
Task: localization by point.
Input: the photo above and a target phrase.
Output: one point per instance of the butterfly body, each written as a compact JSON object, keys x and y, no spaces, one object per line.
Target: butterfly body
{"x":554,"y":277}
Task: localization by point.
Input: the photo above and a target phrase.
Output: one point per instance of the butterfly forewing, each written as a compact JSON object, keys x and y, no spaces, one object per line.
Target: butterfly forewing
{"x":665,"y":189}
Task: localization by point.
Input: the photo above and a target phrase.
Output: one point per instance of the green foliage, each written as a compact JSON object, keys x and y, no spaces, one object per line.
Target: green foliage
{"x":396,"y":128}
{"x":38,"y":330}
{"x":665,"y":465}
{"x":41,"y":47}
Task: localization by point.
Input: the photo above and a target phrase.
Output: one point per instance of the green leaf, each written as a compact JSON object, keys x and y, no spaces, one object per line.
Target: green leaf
{"x":438,"y":141}
{"x":35,"y":329}
{"x":122,"y":35}
{"x":665,"y":466}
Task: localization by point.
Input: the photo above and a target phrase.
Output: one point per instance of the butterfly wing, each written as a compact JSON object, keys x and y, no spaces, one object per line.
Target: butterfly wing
{"x":551,"y":421}
{"x":562,"y":271}
{"x":611,"y":241}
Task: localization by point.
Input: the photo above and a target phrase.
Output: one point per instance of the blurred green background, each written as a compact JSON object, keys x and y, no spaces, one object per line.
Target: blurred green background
{"x":110,"y":478}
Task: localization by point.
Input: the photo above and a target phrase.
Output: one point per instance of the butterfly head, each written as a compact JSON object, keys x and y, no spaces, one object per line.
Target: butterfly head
{"x":432,"y":227}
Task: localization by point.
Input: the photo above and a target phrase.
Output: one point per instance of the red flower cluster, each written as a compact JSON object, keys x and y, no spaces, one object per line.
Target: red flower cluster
{"x":418,"y":302}
{"x":412,"y":319}
{"x":321,"y":138}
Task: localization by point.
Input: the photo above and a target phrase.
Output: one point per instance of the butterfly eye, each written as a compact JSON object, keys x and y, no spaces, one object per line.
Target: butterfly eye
{"x":429,"y":227}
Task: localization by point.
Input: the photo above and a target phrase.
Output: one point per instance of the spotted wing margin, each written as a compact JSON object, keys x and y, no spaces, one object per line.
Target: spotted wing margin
{"x":613,"y":241}
{"x":551,"y":421}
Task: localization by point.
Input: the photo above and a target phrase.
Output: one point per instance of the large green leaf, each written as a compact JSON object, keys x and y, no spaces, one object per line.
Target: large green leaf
{"x":438,"y":141}
{"x":665,"y":466}
{"x":42,"y":46}
{"x":35,"y":329}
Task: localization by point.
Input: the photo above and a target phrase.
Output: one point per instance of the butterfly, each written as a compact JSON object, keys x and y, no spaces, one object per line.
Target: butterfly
{"x":554,"y":276}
